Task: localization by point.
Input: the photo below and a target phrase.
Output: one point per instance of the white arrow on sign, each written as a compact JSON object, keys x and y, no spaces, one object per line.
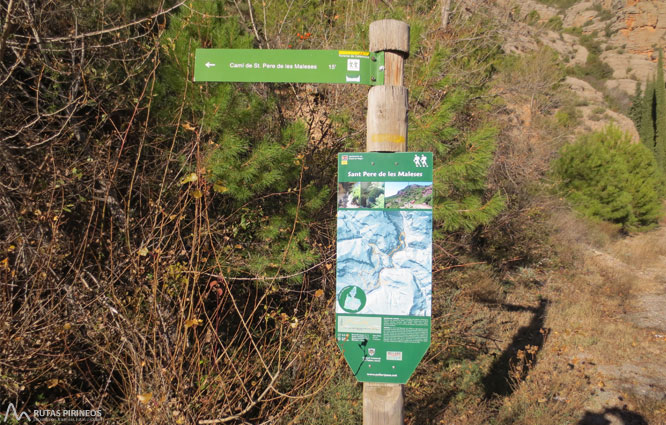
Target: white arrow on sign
{"x":208,"y":64}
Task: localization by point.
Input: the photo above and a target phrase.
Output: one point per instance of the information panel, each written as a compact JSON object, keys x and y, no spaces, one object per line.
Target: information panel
{"x":289,"y":66}
{"x":384,"y":263}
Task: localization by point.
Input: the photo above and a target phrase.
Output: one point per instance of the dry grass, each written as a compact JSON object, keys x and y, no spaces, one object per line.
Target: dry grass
{"x":551,"y":394}
{"x":572,"y":232}
{"x":643,"y":251}
{"x":592,"y":332}
{"x":594,"y":362}
{"x":484,"y":287}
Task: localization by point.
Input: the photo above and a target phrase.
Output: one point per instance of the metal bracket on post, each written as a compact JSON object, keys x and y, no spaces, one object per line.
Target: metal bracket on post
{"x":377,"y":66}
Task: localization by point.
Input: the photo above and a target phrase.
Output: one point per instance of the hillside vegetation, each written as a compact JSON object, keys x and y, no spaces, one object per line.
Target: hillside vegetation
{"x":167,"y":249}
{"x":412,"y":196}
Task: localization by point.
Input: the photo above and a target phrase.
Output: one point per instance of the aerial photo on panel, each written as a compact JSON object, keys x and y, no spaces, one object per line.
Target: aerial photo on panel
{"x":388,"y":255}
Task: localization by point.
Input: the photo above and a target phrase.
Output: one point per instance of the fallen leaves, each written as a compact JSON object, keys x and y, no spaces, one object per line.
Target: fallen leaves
{"x":145,"y":397}
{"x":193,"y":323}
{"x":190,"y":178}
{"x":219,"y":187}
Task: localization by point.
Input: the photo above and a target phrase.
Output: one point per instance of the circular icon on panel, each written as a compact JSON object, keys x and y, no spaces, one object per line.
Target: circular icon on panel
{"x":352,"y":299}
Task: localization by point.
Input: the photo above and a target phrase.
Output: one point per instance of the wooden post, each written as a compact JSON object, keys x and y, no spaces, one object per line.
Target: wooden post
{"x":387,"y":132}
{"x":387,"y":104}
{"x":446,"y":10}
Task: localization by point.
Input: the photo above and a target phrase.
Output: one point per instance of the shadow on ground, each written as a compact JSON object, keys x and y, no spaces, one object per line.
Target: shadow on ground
{"x":499,"y":379}
{"x":626,"y":417}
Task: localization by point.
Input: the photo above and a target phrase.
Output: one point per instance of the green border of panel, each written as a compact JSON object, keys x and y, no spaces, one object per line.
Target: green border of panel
{"x":383,"y":348}
{"x":289,"y":66}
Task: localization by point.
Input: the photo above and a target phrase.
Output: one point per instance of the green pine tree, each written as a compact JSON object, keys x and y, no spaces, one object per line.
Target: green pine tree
{"x":647,"y":130}
{"x":255,"y":158}
{"x":645,"y":185}
{"x":636,"y":106}
{"x":608,"y":177}
{"x":660,"y":114}
{"x":462,"y":157}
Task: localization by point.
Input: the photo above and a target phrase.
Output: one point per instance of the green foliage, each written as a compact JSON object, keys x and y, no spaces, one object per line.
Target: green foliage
{"x":372,"y":195}
{"x":562,"y":4}
{"x":255,"y":154}
{"x":339,"y":403}
{"x":460,"y":181}
{"x":660,"y":113}
{"x":636,"y":105}
{"x":249,"y":167}
{"x":221,"y":106}
{"x":651,"y":110}
{"x":555,"y":23}
{"x":609,"y":178}
{"x":603,"y":13}
{"x":594,"y":68}
{"x":577,"y":31}
{"x":410,"y":196}
{"x":608,"y":30}
{"x":647,"y":123}
{"x":469,"y":379}
{"x":463,"y":146}
{"x":568,"y":116}
{"x":590,"y":42}
{"x":532,"y":18}
{"x":356,"y":194}
{"x":461,"y":167}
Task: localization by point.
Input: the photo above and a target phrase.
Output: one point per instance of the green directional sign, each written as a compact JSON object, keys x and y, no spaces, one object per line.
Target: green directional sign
{"x":384,"y":263}
{"x":289,"y":66}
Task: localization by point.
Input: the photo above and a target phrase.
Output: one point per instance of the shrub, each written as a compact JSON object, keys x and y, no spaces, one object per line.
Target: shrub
{"x":590,"y":42}
{"x":562,"y":4}
{"x":532,"y":17}
{"x":608,"y":177}
{"x":555,"y":23}
{"x":577,"y":31}
{"x":594,"y":68}
{"x":608,"y":30}
{"x":602,"y":13}
{"x":568,"y":116}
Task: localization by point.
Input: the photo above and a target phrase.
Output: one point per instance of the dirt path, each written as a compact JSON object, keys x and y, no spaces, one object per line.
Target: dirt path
{"x":632,"y":372}
{"x":596,"y":355}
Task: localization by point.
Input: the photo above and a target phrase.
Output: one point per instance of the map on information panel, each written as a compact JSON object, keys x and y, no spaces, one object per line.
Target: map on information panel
{"x":384,"y":262}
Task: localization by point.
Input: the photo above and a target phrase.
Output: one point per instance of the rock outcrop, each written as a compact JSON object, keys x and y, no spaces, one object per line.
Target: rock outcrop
{"x":595,"y":115}
{"x":639,"y":28}
{"x":625,"y":33}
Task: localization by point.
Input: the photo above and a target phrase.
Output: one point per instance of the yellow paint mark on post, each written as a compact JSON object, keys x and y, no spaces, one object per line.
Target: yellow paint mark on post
{"x":391,"y":138}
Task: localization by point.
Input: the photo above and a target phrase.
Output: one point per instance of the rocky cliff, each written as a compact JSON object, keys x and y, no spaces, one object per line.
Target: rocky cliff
{"x":638,"y":29}
{"x":623,"y":34}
